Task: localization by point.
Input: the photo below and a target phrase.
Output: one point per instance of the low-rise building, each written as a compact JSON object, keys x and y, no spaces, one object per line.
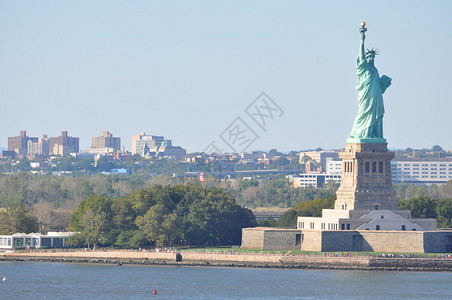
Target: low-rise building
{"x":34,"y":240}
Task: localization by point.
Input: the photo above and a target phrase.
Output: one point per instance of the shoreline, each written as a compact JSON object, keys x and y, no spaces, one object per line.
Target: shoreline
{"x":281,"y":261}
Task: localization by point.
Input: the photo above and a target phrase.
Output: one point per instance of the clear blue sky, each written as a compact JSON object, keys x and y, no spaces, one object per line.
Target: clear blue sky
{"x":187,"y":69}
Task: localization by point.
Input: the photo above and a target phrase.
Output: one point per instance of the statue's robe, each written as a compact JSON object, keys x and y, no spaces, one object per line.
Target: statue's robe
{"x":370,"y":87}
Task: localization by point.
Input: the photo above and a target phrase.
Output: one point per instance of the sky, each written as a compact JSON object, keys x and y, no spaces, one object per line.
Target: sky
{"x":190,"y":71}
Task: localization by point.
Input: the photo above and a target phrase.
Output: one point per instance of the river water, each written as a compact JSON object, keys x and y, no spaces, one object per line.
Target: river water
{"x":93,"y":281}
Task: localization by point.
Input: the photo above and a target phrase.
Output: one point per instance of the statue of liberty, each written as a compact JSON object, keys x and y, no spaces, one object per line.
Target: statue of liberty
{"x":368,"y":126}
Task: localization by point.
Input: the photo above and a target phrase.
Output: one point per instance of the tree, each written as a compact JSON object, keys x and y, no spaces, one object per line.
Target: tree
{"x":49,"y":217}
{"x":444,"y":213}
{"x":288,"y":219}
{"x":160,"y":226}
{"x":93,"y":219}
{"x":437,"y":148}
{"x":314,"y":208}
{"x":18,"y":219}
{"x":422,"y":207}
{"x":267,"y":222}
{"x":76,"y":240}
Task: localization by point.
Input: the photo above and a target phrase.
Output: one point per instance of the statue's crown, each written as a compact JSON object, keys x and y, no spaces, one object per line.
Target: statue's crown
{"x":372,"y":51}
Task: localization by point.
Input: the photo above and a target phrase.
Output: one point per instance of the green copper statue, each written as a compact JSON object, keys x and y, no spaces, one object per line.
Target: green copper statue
{"x":368,"y":126}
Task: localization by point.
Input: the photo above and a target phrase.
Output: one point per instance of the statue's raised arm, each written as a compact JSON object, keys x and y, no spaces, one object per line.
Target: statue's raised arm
{"x":363,"y":29}
{"x":368,"y":126}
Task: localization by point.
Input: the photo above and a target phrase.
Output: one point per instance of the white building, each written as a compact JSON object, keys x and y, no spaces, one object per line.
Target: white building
{"x":333,"y":166}
{"x":34,"y":240}
{"x":427,"y":172}
{"x":315,"y":179}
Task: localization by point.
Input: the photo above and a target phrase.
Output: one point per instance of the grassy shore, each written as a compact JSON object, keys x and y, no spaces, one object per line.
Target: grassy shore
{"x":299,"y":252}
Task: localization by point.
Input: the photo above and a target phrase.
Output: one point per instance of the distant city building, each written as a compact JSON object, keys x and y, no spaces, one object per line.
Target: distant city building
{"x":19,"y":144}
{"x":333,"y":166}
{"x":252,"y":156}
{"x":63,"y":145}
{"x":314,"y":179}
{"x":9,"y":154}
{"x":156,"y":146}
{"x":41,"y":147}
{"x":106,"y":143}
{"x":319,"y":157}
{"x":422,"y":171}
{"x":416,"y":172}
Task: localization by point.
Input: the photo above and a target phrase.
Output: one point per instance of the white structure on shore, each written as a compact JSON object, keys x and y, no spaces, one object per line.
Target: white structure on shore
{"x":34,"y":240}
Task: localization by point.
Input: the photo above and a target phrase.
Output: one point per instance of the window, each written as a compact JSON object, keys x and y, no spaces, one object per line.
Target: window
{"x":367,"y":167}
{"x":311,"y":225}
{"x":377,"y":227}
{"x":46,"y":242}
{"x":343,"y":226}
{"x":403,"y":227}
{"x":348,"y":226}
{"x":382,"y":217}
{"x":380,"y":167}
{"x":374,"y":167}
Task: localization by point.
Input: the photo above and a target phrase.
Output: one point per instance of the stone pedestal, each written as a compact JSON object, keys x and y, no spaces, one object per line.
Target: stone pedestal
{"x":366,"y":178}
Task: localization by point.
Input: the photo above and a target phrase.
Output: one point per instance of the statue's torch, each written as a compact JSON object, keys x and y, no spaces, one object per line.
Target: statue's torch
{"x":363,"y":28}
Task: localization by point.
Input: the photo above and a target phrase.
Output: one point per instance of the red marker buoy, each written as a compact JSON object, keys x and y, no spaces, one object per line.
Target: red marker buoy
{"x":155,"y":292}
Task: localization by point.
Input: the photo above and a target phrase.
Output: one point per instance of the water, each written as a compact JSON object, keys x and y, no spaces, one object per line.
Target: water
{"x":92,"y":281}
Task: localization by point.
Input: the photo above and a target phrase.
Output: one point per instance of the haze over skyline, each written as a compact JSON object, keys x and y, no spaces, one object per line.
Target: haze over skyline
{"x":187,"y":70}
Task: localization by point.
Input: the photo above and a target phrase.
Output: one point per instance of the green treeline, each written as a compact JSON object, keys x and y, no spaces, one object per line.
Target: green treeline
{"x":141,"y":210}
{"x":427,"y":207}
{"x":161,"y":216}
{"x":65,"y":192}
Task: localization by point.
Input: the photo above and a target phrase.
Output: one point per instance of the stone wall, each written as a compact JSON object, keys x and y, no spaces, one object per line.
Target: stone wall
{"x":384,"y":241}
{"x":253,"y":238}
{"x":100,"y":254}
{"x":238,"y":260}
{"x":393,"y":241}
{"x":281,"y":239}
{"x":438,"y":241}
{"x":268,"y":238}
{"x":312,"y":240}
